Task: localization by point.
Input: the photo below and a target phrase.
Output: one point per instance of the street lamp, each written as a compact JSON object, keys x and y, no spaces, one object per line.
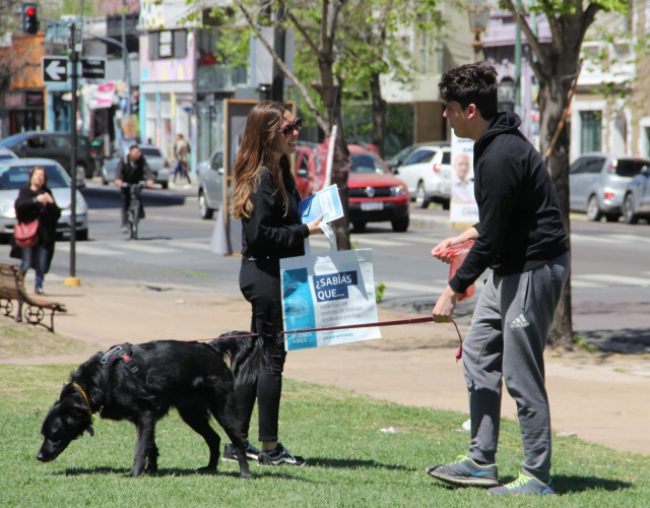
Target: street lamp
{"x":479,"y":15}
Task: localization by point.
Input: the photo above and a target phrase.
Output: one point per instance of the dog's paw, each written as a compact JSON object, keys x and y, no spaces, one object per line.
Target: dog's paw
{"x":245,"y":475}
{"x":207,"y":470}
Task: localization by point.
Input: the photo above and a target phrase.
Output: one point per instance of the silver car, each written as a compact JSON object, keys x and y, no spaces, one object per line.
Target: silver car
{"x":636,"y":203}
{"x":5,"y":153}
{"x":14,"y":174}
{"x":210,"y":184}
{"x":598,"y":181}
{"x":159,"y":166}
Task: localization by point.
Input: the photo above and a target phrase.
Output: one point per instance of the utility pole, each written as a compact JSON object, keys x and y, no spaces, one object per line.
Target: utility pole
{"x":518,"y":64}
{"x":125,"y":57}
{"x":72,"y":280}
{"x":279,"y":38}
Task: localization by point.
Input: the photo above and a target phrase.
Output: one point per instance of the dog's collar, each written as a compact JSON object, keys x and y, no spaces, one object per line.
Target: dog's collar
{"x":83,"y":394}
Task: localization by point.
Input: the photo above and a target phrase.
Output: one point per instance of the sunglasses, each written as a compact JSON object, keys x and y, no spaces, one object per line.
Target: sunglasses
{"x":288,"y":129}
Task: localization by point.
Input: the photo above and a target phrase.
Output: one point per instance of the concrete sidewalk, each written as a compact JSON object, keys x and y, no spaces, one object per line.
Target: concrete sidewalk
{"x":599,"y":398}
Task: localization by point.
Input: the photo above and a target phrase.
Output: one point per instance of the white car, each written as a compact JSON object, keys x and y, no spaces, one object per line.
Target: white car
{"x":14,"y":174}
{"x":156,"y":161}
{"x":210,"y":184}
{"x":427,"y":174}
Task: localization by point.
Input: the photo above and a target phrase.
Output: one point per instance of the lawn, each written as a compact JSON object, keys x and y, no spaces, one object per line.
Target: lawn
{"x":351,"y":462}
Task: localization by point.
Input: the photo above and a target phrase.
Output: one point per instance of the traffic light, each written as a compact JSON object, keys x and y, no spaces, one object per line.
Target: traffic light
{"x":135,"y":103}
{"x":30,"y":18}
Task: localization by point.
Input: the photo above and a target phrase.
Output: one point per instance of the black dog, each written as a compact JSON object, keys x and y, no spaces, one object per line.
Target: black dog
{"x":141,"y":386}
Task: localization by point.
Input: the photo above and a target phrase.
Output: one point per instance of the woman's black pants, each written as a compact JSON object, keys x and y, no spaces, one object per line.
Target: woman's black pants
{"x":259,"y":281}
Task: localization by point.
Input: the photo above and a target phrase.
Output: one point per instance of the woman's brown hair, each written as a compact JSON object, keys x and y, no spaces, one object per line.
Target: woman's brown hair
{"x":257,"y":151}
{"x":38,"y":168}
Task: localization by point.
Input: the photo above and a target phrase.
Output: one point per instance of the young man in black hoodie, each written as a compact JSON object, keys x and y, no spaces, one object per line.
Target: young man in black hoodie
{"x":521,"y":238}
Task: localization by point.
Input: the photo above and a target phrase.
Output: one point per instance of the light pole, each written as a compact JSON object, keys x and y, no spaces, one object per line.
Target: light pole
{"x":479,"y":15}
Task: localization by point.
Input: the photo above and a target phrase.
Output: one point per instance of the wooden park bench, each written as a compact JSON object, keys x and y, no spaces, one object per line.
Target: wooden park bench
{"x":12,"y":288}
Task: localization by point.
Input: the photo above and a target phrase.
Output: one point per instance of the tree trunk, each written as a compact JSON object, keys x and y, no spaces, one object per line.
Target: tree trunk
{"x":553,"y":98}
{"x":378,"y":113}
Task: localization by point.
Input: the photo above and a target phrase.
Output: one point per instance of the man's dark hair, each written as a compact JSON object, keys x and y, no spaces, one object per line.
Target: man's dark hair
{"x":132,"y":147}
{"x":474,"y":83}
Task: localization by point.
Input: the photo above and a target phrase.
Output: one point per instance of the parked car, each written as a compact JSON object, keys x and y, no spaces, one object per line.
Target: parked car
{"x":310,"y":173}
{"x":375,"y":194}
{"x":158,"y":164}
{"x":5,"y":153}
{"x":14,"y":174}
{"x":56,"y":146}
{"x":210,"y":174}
{"x":598,"y":183}
{"x":397,"y":160}
{"x":427,"y":174}
{"x":636,"y":202}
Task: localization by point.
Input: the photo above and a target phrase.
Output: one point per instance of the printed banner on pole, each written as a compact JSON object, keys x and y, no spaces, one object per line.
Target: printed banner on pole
{"x":323,"y":290}
{"x":463,"y":204}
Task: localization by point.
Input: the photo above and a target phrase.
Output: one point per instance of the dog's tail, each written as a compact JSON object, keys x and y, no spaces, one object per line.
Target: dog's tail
{"x":247,"y":354}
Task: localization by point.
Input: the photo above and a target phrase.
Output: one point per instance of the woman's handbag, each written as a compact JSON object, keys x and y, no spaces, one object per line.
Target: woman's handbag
{"x":26,"y":233}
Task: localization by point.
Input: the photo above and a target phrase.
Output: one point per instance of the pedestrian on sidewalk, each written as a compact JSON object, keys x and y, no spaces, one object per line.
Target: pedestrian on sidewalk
{"x":36,"y":202}
{"x":266,"y":200}
{"x":521,"y":237}
{"x":182,"y":153}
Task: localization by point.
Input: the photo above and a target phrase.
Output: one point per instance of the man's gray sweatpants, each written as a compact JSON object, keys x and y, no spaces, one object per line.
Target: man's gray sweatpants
{"x":506,"y":341}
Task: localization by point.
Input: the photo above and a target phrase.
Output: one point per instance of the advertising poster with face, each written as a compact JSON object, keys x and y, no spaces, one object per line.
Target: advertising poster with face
{"x":463,"y":202}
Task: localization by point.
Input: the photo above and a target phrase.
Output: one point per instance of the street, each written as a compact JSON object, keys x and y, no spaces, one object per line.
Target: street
{"x":611,"y":277}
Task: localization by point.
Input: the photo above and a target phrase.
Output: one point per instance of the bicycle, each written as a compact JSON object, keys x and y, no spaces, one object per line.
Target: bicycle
{"x":133,"y":213}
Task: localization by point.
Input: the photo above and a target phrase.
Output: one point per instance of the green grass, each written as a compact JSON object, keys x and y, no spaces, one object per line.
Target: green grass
{"x":351,"y":463}
{"x":26,"y":340}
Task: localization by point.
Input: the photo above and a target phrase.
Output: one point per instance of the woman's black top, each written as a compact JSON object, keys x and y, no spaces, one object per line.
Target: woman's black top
{"x":28,"y":209}
{"x":268,"y":233}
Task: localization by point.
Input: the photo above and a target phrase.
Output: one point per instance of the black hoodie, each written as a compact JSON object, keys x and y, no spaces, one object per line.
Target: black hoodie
{"x":520,"y":224}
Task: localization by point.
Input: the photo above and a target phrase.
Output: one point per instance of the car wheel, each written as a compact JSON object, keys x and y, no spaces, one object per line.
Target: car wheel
{"x":628,"y":210}
{"x":612,"y":217}
{"x":82,"y":235}
{"x":594,"y":213}
{"x":104,"y":182}
{"x":359,"y":225}
{"x":205,"y":211}
{"x":445,"y":205}
{"x":165,"y":185}
{"x":421,"y":198}
{"x":400,"y":225}
{"x":81,"y":172}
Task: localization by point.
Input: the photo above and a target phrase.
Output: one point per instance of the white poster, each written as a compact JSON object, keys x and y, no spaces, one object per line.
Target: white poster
{"x":463,"y":203}
{"x":326,"y":290}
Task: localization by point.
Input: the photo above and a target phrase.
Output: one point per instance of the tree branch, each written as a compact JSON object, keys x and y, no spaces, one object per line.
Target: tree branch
{"x":285,"y":70}
{"x":554,"y":23}
{"x":300,"y":28}
{"x":520,"y":19}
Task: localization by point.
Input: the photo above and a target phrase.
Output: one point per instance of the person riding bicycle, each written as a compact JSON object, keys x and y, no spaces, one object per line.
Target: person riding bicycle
{"x":131,"y":170}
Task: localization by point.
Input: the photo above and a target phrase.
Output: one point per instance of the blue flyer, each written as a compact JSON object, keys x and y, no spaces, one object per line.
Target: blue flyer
{"x":325,"y":202}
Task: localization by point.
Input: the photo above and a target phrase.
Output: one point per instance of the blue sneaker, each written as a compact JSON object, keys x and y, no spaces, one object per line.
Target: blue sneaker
{"x":524,"y":485}
{"x":466,"y":473}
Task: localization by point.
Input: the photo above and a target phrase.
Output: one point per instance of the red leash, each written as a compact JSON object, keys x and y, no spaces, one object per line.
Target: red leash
{"x":428,"y":319}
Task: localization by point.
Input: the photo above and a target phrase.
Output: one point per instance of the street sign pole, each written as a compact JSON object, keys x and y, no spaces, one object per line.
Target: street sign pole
{"x":72,"y":280}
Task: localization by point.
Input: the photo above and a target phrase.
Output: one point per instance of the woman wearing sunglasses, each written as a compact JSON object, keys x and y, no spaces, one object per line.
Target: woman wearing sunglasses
{"x":266,"y":200}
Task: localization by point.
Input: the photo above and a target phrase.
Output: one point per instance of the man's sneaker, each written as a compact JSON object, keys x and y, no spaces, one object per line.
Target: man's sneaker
{"x":229,"y":453}
{"x":280,"y":455}
{"x":524,"y":485}
{"x":466,"y":473}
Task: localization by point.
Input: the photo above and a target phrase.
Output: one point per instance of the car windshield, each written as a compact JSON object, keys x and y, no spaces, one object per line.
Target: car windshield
{"x":366,"y":163}
{"x":150,"y":152}
{"x":16,"y":177}
{"x":401,"y":156}
{"x":630,"y":168}
{"x":12,"y":140}
{"x":5,"y":156}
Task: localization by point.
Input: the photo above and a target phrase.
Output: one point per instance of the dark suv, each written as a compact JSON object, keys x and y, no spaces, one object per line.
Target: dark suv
{"x":53,"y":145}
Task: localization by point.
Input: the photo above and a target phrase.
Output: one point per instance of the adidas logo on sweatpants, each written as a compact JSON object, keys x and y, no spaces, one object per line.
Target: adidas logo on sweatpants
{"x":520,"y":322}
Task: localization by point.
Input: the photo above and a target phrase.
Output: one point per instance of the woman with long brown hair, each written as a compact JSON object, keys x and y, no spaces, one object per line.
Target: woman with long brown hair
{"x":266,"y":200}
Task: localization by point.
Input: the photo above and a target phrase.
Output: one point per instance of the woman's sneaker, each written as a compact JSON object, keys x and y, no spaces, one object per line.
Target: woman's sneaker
{"x":466,"y":473}
{"x":229,"y":453}
{"x":524,"y":485}
{"x":280,"y":455}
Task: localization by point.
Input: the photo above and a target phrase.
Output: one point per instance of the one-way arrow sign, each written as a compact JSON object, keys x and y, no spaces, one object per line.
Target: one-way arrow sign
{"x":55,"y":69}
